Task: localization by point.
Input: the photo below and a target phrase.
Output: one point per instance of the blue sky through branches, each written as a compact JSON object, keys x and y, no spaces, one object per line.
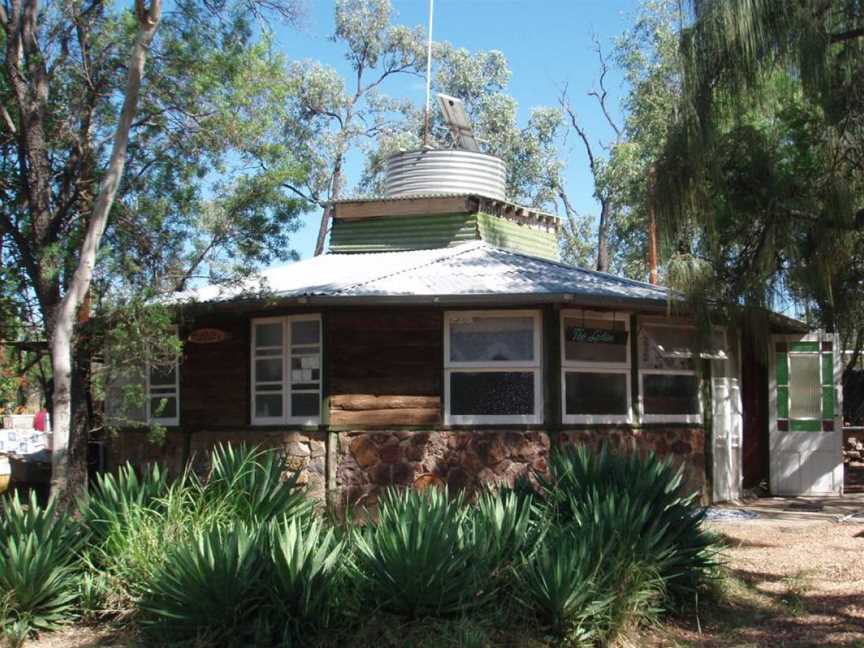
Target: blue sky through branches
{"x":548,"y":43}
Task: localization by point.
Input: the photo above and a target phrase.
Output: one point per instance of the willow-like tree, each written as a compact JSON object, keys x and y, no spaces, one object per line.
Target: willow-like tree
{"x":762,"y":181}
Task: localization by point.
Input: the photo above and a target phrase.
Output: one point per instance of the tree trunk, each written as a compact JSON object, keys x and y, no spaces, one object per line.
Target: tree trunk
{"x":64,"y":321}
{"x":603,"y":238}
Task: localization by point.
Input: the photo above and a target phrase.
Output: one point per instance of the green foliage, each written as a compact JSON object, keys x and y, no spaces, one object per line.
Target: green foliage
{"x":762,"y":175}
{"x":249,"y":483}
{"x":207,"y":589}
{"x":560,"y":583}
{"x":38,"y":547}
{"x":112,"y":498}
{"x":305,"y":572}
{"x":639,"y":505}
{"x":420,"y":559}
{"x":508,"y":523}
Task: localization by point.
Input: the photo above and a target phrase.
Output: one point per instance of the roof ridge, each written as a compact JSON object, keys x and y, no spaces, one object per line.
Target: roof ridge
{"x":446,"y":253}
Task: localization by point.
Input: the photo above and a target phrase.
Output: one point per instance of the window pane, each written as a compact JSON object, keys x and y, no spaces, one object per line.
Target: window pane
{"x":805,"y":390}
{"x":595,"y":340}
{"x":269,"y":370}
{"x":163,"y":408}
{"x":305,"y":332}
{"x":268,"y":405}
{"x":267,"y":335}
{"x":498,"y":393}
{"x":670,"y":394}
{"x":491,"y":339}
{"x":596,"y":393}
{"x":163,"y":376}
{"x":304,"y":404}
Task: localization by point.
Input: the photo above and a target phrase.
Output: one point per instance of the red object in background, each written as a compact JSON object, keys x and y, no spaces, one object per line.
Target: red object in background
{"x":39,"y":420}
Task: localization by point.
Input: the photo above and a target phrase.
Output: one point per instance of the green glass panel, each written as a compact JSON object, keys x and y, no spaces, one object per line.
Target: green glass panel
{"x":828,"y":402}
{"x":782,"y":402}
{"x":782,"y":369}
{"x":804,"y":346}
{"x":827,"y":368}
{"x":800,"y":425}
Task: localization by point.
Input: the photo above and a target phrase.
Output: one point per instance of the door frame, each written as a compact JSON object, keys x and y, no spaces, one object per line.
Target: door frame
{"x":817,"y":441}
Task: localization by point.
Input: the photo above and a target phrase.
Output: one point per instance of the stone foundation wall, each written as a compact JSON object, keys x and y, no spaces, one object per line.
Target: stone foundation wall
{"x":302,"y":451}
{"x":463,"y":460}
{"x":686,"y":445}
{"x":366,"y":462}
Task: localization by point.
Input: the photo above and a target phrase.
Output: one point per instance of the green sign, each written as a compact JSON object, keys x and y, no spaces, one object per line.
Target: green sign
{"x":596,"y":336}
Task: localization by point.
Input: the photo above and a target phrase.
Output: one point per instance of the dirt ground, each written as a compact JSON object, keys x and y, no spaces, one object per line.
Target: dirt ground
{"x":792,"y":582}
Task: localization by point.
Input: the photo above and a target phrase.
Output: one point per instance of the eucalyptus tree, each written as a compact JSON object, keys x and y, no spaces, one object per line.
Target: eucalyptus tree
{"x":762,"y":180}
{"x":93,"y":149}
{"x":532,"y":152}
{"x":326,"y":116}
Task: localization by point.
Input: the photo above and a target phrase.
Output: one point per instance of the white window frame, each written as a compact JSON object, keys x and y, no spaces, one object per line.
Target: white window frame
{"x":535,"y":366}
{"x":586,"y":366}
{"x":286,"y":418}
{"x":163,"y":420}
{"x":695,"y":419}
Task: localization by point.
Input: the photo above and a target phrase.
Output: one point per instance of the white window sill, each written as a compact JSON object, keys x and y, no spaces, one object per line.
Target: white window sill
{"x":288,"y":421}
{"x":531,"y":419}
{"x":580,"y":419}
{"x":694,"y":419}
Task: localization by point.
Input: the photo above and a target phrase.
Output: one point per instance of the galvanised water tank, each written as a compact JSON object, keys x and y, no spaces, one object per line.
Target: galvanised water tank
{"x":448,"y":171}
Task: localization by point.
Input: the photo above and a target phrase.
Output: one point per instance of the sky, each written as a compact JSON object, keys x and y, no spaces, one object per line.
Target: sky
{"x":548,"y":43}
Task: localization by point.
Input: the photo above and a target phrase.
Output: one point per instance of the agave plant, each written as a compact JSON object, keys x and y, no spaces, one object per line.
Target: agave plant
{"x":111,"y":498}
{"x":305,"y":571}
{"x":419,"y":560}
{"x":634,"y":499}
{"x":250,"y":483}
{"x":505,"y":525}
{"x":38,"y":549}
{"x":560,"y":582}
{"x":207,"y":589}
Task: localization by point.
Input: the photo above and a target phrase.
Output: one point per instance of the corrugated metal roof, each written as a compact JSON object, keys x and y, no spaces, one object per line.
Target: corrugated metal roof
{"x":469,"y":269}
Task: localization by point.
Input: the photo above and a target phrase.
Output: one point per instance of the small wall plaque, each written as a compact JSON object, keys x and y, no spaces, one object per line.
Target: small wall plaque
{"x":207,"y":336}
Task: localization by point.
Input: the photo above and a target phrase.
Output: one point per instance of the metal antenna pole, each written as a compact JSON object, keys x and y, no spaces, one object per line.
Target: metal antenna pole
{"x":428,"y":77}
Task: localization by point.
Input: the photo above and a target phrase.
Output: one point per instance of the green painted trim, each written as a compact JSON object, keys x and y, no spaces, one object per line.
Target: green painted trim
{"x":828,"y":402}
{"x":782,"y":369}
{"x":800,"y":425}
{"x":393,"y":233}
{"x":804,"y":346}
{"x":505,"y":233}
{"x":827,"y":369}
{"x":783,"y":402}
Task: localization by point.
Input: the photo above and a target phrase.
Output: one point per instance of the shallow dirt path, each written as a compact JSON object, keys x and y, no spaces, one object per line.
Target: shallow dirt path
{"x":791,"y":583}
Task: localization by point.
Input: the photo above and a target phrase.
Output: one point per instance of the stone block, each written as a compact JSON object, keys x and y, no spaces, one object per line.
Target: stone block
{"x":390,"y":454}
{"x":364,"y":451}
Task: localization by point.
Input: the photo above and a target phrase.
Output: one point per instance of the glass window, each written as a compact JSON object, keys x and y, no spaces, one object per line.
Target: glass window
{"x":596,"y":394}
{"x":805,"y":386}
{"x":492,"y":367}
{"x":492,"y":393}
{"x":595,"y":340}
{"x":670,"y":394}
{"x":595,"y":361}
{"x":491,"y":339}
{"x":287,"y":370}
{"x":163,"y":392}
{"x":668,"y":382}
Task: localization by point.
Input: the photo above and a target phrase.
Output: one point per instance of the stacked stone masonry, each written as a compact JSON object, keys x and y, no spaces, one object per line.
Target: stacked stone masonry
{"x":368,"y":461}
